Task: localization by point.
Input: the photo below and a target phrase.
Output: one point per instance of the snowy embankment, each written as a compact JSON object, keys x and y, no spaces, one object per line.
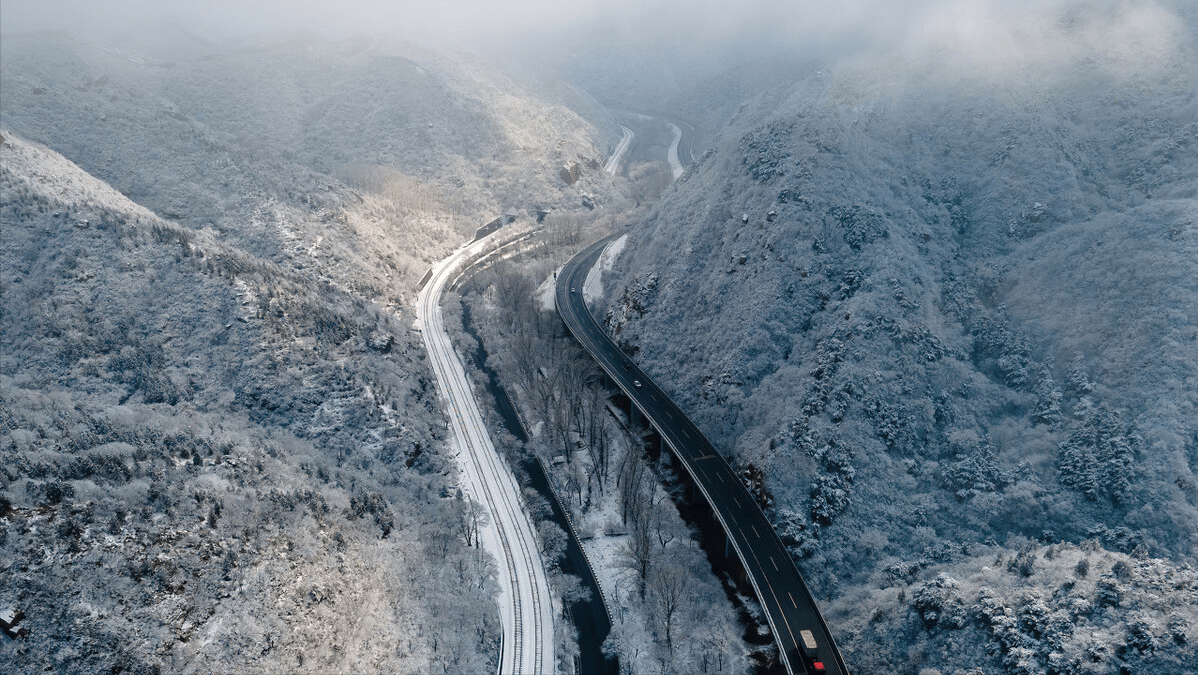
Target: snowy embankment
{"x":545,"y":292}
{"x":593,"y":288}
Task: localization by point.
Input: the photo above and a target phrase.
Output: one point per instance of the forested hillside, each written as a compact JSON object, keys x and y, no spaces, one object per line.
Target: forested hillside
{"x":211,"y":461}
{"x":220,"y":445}
{"x":946,"y":305}
{"x":349,"y":158}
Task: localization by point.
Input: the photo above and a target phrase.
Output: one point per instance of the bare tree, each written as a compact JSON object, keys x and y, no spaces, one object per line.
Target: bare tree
{"x":596,"y":439}
{"x":630,"y":482}
{"x":553,"y":541}
{"x":513,"y":295}
{"x":661,"y":522}
{"x":669,"y":586}
{"x":471,"y":516}
{"x":563,"y":229}
{"x":637,"y":552}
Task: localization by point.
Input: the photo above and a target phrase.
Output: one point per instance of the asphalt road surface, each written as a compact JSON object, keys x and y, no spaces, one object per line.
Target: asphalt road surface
{"x":676,"y":168}
{"x":788,"y":604}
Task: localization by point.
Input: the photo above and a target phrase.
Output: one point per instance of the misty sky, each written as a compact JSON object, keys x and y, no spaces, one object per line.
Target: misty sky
{"x":994,"y":35}
{"x":435,"y":20}
{"x":439,"y":21}
{"x":458,"y":23}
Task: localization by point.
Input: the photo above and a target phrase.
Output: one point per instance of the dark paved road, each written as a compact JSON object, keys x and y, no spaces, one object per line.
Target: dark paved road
{"x":686,"y":146}
{"x":788,"y":604}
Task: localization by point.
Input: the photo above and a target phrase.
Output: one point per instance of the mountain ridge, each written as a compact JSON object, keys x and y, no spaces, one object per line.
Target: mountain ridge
{"x":940,"y":308}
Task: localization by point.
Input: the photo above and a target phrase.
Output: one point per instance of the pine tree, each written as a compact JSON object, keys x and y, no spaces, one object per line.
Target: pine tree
{"x":1048,"y":400}
{"x":1098,"y":458}
{"x":1078,"y":381}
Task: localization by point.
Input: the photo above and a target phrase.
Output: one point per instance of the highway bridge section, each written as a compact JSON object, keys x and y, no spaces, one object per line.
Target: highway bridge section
{"x":805,"y":644}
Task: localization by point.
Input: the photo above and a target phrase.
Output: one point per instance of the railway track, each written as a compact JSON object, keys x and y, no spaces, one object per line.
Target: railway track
{"x":526,"y":607}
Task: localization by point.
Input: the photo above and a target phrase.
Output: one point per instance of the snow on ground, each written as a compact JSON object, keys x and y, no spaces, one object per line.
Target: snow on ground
{"x":544,"y":292}
{"x":603,"y":550}
{"x":593,"y":288}
{"x":602,"y":536}
{"x":508,"y":534}
{"x":612,"y":252}
{"x":617,"y":155}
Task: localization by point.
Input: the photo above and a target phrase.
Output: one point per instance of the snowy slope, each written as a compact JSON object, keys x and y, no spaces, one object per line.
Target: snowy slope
{"x":959,"y":311}
{"x":212,"y":393}
{"x":378,"y":150}
{"x":210,"y":463}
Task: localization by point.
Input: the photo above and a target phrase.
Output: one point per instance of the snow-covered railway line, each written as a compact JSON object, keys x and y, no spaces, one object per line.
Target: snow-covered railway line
{"x":526,"y":605}
{"x":617,"y":155}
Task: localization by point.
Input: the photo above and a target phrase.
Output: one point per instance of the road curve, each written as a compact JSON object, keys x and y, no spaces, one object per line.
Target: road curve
{"x":788,"y":604}
{"x":688,"y":140}
{"x":526,"y":607}
{"x":672,"y":155}
{"x":617,"y":155}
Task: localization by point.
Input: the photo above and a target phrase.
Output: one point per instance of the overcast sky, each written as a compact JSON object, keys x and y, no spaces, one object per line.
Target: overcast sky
{"x":982,"y":31}
{"x":435,"y":20}
{"x":458,"y":22}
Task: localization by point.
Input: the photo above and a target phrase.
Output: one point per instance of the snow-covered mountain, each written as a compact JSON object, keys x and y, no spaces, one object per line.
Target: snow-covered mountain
{"x":946,"y":304}
{"x":220,"y":444}
{"x":386,"y":155}
{"x":211,"y":461}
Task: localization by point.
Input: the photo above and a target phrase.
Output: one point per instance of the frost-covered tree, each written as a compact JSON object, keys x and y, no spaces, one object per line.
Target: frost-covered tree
{"x":1048,"y":400}
{"x":1098,"y":458}
{"x":976,"y":472}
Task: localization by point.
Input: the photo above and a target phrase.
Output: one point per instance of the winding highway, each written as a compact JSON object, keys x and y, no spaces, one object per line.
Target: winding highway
{"x":672,"y":155}
{"x":804,"y":641}
{"x":526,"y":607}
{"x":690,"y":143}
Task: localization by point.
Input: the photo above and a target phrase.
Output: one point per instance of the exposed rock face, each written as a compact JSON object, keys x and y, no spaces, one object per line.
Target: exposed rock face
{"x":570,"y":172}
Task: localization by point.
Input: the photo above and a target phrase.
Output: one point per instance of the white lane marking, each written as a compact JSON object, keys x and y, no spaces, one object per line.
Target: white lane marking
{"x":690,"y":148}
{"x":773,"y":563}
{"x":792,"y":645}
{"x":785,"y":621}
{"x":751,"y":527}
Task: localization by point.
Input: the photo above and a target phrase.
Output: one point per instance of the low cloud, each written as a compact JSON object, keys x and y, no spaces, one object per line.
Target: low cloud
{"x":986,"y":35}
